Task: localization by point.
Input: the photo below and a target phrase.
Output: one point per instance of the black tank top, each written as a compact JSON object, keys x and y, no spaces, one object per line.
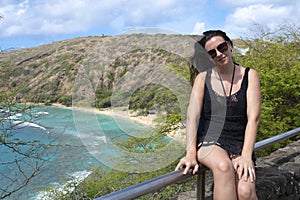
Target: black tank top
{"x":223,"y":119}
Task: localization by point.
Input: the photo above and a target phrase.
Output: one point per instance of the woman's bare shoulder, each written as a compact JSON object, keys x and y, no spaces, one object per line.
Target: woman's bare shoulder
{"x":252,"y":72}
{"x":201,"y":76}
{"x":199,"y":80}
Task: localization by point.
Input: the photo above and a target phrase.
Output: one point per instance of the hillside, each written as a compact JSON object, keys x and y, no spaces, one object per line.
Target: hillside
{"x":54,"y":72}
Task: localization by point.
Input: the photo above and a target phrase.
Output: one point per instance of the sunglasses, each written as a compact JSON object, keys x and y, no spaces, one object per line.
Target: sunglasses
{"x":221,"y":48}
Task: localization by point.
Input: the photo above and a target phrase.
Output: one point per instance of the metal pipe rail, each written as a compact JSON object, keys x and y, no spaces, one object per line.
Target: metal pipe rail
{"x":160,"y":182}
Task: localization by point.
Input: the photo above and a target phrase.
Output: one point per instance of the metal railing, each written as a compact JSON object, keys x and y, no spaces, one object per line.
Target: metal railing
{"x":160,"y":182}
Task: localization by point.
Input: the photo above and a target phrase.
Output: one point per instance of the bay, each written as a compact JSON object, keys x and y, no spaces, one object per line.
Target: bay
{"x":67,"y":158}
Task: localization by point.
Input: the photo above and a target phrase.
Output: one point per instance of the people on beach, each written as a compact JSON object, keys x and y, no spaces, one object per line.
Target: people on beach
{"x":222,"y":121}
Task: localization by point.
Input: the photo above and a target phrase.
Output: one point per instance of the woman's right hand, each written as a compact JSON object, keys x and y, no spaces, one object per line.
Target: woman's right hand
{"x":188,"y":163}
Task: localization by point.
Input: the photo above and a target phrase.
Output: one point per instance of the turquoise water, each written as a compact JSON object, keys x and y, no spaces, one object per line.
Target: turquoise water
{"x":68,"y":157}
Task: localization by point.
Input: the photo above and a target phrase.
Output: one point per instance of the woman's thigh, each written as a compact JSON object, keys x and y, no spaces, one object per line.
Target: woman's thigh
{"x":214,"y":157}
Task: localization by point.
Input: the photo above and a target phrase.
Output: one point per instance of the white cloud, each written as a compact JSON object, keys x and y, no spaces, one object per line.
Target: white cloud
{"x":269,"y":16}
{"x":56,"y":19}
{"x":70,"y":16}
{"x":231,"y":3}
{"x":199,"y":28}
{"x":53,"y":16}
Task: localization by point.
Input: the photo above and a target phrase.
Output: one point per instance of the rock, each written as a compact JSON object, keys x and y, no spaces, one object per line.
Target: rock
{"x":278,"y":176}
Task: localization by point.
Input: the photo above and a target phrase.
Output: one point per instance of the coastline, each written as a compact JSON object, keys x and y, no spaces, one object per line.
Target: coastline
{"x":149,"y":120}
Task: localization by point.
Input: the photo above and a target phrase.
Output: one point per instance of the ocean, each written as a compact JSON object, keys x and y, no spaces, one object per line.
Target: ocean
{"x":68,"y":156}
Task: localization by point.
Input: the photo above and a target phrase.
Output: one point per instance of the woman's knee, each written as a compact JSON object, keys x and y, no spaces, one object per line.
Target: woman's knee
{"x":217,"y":160}
{"x":219,"y":166}
{"x":224,"y":166}
{"x":246,"y":190}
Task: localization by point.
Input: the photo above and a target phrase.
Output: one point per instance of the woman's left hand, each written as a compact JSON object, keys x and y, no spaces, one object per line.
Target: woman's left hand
{"x":244,"y":168}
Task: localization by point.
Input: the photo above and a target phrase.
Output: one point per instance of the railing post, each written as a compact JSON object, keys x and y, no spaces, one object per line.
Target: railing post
{"x":201,"y":185}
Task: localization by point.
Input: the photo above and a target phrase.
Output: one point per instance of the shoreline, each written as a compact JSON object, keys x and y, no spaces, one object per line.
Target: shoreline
{"x":149,"y":120}
{"x":143,"y":120}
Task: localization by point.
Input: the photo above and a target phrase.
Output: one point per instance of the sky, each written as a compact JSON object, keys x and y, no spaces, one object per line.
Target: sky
{"x":29,"y":23}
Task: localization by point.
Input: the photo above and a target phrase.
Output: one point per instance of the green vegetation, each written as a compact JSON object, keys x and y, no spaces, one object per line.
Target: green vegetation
{"x":106,"y":181}
{"x":277,"y":60}
{"x":65,"y":100}
{"x":154,"y":97}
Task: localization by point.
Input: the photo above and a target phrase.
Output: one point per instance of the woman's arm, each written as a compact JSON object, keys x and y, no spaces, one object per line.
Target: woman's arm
{"x":193,"y":115}
{"x":245,"y":167}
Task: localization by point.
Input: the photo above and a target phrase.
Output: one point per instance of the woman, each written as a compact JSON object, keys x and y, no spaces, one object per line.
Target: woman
{"x":222,"y":121}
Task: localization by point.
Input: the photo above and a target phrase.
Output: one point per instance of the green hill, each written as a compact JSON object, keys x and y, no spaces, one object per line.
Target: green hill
{"x":49,"y":73}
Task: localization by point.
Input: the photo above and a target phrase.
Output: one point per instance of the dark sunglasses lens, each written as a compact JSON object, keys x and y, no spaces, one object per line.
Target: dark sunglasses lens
{"x":212,"y":53}
{"x":222,"y":47}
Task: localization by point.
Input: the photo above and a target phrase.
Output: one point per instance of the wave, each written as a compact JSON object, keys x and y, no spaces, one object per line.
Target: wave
{"x":102,"y":138}
{"x":22,"y":124}
{"x":74,"y":179}
{"x":14,"y":117}
{"x":42,"y":113}
{"x":18,"y":116}
{"x":16,"y":120}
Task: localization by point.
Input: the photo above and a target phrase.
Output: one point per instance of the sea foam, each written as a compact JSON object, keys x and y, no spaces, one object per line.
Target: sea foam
{"x":74,"y":179}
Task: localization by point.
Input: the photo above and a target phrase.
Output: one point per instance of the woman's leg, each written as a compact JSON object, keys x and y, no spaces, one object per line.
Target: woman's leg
{"x":217,"y":160}
{"x":246,"y":190}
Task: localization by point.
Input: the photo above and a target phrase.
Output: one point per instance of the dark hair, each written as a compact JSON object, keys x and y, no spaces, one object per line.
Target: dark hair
{"x":207,"y":35}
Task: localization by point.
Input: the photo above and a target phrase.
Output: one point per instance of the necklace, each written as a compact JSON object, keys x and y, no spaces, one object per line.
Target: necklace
{"x":232,"y":79}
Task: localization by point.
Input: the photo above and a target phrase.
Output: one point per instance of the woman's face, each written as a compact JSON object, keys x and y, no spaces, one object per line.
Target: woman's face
{"x":219,"y":50}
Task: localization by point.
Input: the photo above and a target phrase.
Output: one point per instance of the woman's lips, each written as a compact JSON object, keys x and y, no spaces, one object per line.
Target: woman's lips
{"x":222,"y":59}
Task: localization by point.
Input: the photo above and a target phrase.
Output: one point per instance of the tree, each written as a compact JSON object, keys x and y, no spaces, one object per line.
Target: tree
{"x":21,"y":158}
{"x":275,"y":55}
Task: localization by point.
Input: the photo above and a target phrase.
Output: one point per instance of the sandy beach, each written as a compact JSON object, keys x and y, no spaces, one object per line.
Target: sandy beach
{"x":148,"y":120}
{"x":124,"y":113}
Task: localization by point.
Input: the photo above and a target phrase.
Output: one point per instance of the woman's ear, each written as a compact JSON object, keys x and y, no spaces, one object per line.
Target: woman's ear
{"x":230,"y":46}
